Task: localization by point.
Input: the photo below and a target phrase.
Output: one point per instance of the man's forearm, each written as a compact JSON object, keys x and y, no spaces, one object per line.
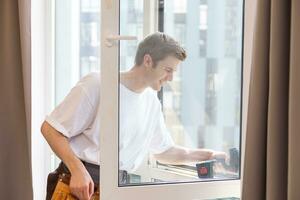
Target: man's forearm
{"x":81,"y":184}
{"x":181,"y":155}
{"x":60,"y":145}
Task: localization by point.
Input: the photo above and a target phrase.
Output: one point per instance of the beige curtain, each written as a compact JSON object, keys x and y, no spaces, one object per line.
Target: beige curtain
{"x":272,"y":151}
{"x":15,"y":170}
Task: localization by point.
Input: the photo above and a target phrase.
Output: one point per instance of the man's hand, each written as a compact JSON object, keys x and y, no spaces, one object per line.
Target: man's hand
{"x":81,"y":184}
{"x":220,"y":155}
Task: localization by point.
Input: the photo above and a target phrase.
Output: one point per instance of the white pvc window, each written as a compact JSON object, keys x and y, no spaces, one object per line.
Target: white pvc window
{"x":212,"y":73}
{"x":73,"y":34}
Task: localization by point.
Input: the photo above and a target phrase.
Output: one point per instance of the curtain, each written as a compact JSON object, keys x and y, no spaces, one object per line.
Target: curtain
{"x":15,"y":56}
{"x":272,"y":146}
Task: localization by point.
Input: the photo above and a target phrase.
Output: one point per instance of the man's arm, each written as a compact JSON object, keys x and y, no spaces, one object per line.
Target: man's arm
{"x":178,"y":155}
{"x":81,"y":183}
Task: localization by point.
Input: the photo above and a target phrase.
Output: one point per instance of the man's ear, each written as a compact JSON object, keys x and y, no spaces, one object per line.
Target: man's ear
{"x":148,"y":61}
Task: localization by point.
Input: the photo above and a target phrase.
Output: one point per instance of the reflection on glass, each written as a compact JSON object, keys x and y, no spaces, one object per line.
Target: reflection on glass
{"x":202,"y":104}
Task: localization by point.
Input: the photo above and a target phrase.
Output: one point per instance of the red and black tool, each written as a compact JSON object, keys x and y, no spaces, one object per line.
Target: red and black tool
{"x":206,"y":169}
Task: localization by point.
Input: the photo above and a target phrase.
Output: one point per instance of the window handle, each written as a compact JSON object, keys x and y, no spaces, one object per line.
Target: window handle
{"x":113,"y":38}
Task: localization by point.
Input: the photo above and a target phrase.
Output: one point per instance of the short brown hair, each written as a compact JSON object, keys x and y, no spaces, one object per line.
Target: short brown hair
{"x":159,"y":45}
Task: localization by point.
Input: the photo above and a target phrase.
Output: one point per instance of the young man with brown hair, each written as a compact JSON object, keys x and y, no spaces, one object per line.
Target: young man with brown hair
{"x":72,"y":129}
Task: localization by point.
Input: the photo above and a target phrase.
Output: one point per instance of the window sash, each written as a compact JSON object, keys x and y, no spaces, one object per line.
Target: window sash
{"x":110,"y":127}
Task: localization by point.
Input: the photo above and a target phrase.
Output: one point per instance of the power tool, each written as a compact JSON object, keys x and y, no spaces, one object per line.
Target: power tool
{"x":209,"y":168}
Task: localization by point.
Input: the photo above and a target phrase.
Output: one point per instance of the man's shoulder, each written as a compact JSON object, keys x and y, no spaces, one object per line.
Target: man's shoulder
{"x":90,"y":81}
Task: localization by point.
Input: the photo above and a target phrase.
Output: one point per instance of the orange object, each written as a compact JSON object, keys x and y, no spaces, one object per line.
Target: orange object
{"x":62,"y":190}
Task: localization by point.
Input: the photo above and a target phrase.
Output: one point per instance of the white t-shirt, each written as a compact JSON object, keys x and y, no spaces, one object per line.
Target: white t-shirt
{"x":142,"y":127}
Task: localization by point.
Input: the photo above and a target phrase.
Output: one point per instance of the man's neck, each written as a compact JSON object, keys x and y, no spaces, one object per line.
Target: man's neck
{"x":134,"y":79}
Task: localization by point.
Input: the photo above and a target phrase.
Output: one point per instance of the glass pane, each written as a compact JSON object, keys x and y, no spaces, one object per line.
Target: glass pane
{"x":201,"y":103}
{"x":77,"y":45}
{"x":131,"y":23}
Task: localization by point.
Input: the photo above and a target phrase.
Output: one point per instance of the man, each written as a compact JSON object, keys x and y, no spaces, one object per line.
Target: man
{"x":72,"y":129}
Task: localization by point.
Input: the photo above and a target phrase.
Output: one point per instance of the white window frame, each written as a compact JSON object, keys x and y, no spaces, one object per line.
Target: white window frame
{"x":109,"y":129}
{"x":43,"y":74}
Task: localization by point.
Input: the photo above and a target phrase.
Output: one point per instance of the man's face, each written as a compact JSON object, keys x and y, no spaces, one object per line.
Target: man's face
{"x":163,"y":72}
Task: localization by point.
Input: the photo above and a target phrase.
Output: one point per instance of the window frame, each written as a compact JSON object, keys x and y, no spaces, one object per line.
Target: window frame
{"x":43,"y":34}
{"x":109,"y":121}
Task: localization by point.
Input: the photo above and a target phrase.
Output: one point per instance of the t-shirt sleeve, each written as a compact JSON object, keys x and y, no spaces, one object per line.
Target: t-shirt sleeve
{"x":76,"y":112}
{"x":161,"y":140}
